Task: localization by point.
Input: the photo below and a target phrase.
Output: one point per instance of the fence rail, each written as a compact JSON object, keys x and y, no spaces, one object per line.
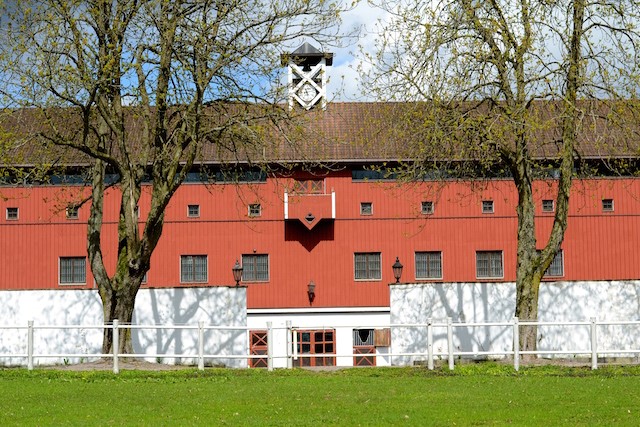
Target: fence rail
{"x":292,"y":353}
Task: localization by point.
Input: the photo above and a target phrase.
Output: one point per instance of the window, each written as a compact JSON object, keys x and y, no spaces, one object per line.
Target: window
{"x":193,"y":211}
{"x":12,"y":213}
{"x":489,"y":264}
{"x":255,"y":209}
{"x":367,"y":266}
{"x":607,"y":205}
{"x":548,"y":206}
{"x":193,"y":268}
{"x":426,"y":208}
{"x":72,"y":212}
{"x":366,"y":208}
{"x":487,"y":206}
{"x":381,"y":174}
{"x":73,"y":270}
{"x":255,"y":268}
{"x":316,"y":341}
{"x":308,"y":186}
{"x":556,"y":268}
{"x":428,"y":265}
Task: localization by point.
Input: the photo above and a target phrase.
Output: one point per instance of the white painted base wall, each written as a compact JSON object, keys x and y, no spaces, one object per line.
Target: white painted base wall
{"x":168,"y":306}
{"x":495,"y":302}
{"x":410,"y":304}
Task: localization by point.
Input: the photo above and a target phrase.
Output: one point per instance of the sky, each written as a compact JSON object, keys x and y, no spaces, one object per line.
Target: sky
{"x":343,"y":77}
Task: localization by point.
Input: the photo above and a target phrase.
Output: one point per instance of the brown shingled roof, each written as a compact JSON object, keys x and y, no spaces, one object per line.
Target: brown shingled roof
{"x":344,"y":132}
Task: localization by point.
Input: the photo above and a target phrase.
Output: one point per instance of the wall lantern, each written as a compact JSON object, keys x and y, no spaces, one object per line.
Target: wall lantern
{"x":237,"y":272}
{"x":397,"y":270}
{"x":311,"y":291}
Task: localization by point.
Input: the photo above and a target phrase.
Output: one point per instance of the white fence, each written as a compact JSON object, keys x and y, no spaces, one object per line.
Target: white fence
{"x":441,"y":330}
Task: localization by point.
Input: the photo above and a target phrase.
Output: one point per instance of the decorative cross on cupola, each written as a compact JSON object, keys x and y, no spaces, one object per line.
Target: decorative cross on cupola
{"x":307,"y":76}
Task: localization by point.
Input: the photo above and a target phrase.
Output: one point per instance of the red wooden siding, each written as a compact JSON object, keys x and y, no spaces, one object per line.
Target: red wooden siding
{"x":598,"y":245}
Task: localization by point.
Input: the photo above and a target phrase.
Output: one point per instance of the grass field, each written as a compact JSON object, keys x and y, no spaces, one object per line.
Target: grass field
{"x":482,"y":394}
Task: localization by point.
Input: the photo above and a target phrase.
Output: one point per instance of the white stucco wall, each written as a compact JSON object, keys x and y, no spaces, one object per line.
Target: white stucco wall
{"x":166,"y":306}
{"x":495,"y":302}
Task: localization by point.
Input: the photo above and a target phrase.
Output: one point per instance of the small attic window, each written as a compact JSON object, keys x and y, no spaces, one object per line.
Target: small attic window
{"x":12,"y":214}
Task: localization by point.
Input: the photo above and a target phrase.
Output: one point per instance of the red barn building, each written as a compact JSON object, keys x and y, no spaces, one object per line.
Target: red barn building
{"x":317,"y":244}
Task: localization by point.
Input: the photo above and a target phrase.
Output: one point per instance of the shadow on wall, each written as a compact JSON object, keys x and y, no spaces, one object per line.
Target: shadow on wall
{"x":495,"y":302}
{"x":171,"y":306}
{"x":217,"y":306}
{"x":462,"y":302}
{"x":59,"y":307}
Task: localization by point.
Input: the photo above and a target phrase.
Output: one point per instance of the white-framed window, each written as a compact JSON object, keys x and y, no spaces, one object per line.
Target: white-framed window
{"x":12,"y":214}
{"x":489,"y":264}
{"x":193,"y":211}
{"x":429,"y":265}
{"x":426,"y":207}
{"x":607,"y":205}
{"x":367,"y":266}
{"x":556,"y":268}
{"x":548,"y":205}
{"x":255,"y":209}
{"x":193,"y":268}
{"x":72,"y":212}
{"x":255,"y":268}
{"x":366,"y":208}
{"x":487,"y":206}
{"x":73,"y":270}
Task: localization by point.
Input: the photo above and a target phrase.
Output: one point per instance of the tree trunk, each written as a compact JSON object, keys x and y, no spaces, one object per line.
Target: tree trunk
{"x":118,"y":305}
{"x":528,"y":264}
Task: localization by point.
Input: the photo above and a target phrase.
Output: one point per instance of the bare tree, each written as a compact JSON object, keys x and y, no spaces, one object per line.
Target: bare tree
{"x":511,"y":88}
{"x":141,"y":88}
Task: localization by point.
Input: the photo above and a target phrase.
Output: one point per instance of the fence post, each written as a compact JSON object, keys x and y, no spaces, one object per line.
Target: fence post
{"x":115,"y":343}
{"x":269,"y":346}
{"x":201,"y":345}
{"x":30,"y":345}
{"x":594,"y":344}
{"x":450,"y":341}
{"x":429,"y":344}
{"x":516,"y":344}
{"x":294,"y":333}
{"x":289,"y":352}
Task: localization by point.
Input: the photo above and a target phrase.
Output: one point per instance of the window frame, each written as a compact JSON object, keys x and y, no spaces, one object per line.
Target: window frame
{"x":427,"y":207}
{"x":608,"y":205}
{"x":366,"y":208}
{"x":558,"y":258}
{"x":545,"y":208}
{"x":427,"y":260}
{"x":193,"y":211}
{"x":250,"y":262}
{"x":492,"y":254}
{"x":72,"y":212}
{"x":192,"y":277}
{"x":369,"y":271}
{"x":9,"y":216}
{"x":74,"y":271}
{"x":488,"y":207}
{"x":254,"y":210}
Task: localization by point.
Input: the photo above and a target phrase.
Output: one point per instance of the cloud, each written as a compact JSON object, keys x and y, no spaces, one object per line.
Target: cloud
{"x":344,"y":79}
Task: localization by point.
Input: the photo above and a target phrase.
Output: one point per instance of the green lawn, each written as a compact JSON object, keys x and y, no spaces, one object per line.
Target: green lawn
{"x":484,"y":394}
